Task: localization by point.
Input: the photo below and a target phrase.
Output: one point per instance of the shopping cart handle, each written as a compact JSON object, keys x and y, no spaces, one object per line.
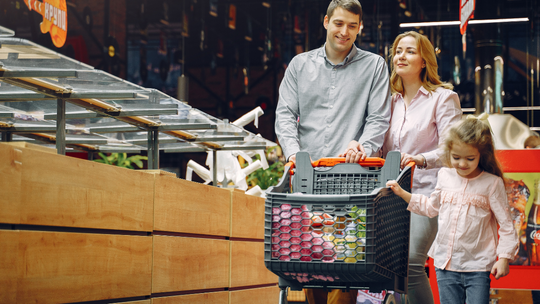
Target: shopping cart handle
{"x":332,"y":161}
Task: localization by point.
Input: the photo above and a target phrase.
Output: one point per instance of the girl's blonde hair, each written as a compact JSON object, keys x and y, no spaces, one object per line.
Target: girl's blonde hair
{"x":476,"y":133}
{"x":429,"y":75}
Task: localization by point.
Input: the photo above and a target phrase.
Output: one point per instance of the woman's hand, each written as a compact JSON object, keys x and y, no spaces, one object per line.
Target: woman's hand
{"x":407,"y":158}
{"x":354,"y":152}
{"x":396,"y":188}
{"x":501,"y":268}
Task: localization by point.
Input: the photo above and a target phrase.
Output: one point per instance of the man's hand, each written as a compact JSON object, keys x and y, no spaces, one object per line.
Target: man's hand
{"x":501,"y":268}
{"x":354,"y":152}
{"x":292,"y":158}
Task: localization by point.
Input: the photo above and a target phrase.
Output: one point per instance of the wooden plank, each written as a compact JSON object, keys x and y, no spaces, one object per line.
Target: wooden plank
{"x":23,"y":144}
{"x":190,"y":207}
{"x":10,"y":181}
{"x":247,"y":265}
{"x":9,"y":240}
{"x":247,"y":216}
{"x":60,"y":267}
{"x":264,"y":295}
{"x":59,"y":190}
{"x":220,"y":297}
{"x":186,"y":263}
{"x":149,"y":301}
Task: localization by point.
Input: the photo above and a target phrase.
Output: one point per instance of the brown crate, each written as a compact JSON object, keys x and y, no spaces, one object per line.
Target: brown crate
{"x":221,"y":297}
{"x":10,"y":179}
{"x":247,"y":216}
{"x":247,"y":265}
{"x":187,"y":263}
{"x":263,"y":295}
{"x":59,"y":190}
{"x":59,"y":267}
{"x":189,"y":207}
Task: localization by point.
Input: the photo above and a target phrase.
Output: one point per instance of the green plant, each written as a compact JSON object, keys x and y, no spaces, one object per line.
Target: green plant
{"x":121,"y":160}
{"x":269,"y":177}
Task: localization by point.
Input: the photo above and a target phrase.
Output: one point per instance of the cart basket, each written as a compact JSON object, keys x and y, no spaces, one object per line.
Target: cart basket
{"x":339,"y":227}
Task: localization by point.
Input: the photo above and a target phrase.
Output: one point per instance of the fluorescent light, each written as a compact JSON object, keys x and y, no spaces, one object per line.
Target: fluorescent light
{"x":445,"y":23}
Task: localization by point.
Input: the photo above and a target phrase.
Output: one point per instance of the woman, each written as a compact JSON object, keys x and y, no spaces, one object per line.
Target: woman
{"x":422,"y":108}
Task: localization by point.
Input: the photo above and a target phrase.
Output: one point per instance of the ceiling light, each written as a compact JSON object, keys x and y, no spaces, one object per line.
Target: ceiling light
{"x":445,"y":23}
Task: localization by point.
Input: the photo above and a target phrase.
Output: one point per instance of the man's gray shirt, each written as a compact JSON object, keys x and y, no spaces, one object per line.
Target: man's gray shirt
{"x":322,"y":106}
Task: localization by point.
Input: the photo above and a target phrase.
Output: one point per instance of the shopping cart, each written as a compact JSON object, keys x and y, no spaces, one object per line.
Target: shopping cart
{"x":339,"y":227}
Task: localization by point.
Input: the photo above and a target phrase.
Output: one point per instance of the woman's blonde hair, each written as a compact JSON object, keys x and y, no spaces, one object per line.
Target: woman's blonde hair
{"x":429,"y":75}
{"x":476,"y":133}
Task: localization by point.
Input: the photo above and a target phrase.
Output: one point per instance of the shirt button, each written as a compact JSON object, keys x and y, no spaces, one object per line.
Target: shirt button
{"x":326,"y":145}
{"x":331,"y":106}
{"x":329,"y":125}
{"x":333,"y":87}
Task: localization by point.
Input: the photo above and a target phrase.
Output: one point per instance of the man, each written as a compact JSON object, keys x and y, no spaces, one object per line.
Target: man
{"x":330,"y":96}
{"x":334,"y":94}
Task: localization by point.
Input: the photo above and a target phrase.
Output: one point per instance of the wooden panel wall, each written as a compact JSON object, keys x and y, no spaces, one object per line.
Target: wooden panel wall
{"x":189,"y":207}
{"x":187,"y":263}
{"x":221,"y":297}
{"x":247,"y":216}
{"x":59,"y":267}
{"x":73,"y":230}
{"x":247,"y":265}
{"x":264,"y":295}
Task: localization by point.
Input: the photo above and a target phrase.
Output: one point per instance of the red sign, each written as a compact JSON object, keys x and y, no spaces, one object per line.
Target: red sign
{"x":466,"y":12}
{"x":54,"y":14}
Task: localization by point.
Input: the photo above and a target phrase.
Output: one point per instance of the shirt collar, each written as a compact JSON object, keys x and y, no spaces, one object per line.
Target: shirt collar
{"x":421,"y":90}
{"x":348,"y":58}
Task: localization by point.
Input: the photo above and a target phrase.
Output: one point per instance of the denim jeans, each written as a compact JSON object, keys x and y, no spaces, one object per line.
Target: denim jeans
{"x":463,"y":287}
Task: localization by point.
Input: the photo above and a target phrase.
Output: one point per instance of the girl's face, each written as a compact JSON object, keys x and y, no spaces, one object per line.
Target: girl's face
{"x":407,"y":61}
{"x":465,"y":159}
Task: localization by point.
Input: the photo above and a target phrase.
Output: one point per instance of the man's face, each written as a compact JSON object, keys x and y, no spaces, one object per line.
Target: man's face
{"x":341,"y":31}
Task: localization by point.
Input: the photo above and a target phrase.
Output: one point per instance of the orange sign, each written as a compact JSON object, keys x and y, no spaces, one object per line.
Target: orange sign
{"x":54,"y":14}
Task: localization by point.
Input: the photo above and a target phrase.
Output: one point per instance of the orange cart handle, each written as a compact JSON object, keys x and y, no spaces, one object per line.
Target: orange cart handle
{"x":332,"y":161}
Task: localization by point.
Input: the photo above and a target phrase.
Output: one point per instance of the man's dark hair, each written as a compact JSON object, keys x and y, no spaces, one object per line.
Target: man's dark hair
{"x":352,"y":6}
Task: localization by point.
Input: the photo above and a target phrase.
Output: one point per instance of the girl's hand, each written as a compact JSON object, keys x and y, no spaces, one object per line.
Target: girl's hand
{"x":501,"y":268}
{"x":407,"y":158}
{"x":354,"y":152}
{"x":396,"y":188}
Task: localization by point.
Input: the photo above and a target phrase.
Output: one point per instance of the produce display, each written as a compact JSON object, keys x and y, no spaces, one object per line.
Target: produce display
{"x":318,"y":233}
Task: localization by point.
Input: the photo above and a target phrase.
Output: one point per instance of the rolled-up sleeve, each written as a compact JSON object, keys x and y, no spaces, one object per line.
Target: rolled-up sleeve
{"x":508,"y":241}
{"x":287,"y":112}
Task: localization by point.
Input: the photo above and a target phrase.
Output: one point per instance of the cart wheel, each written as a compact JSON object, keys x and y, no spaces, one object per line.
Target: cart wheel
{"x":390,"y":299}
{"x":283,"y":296}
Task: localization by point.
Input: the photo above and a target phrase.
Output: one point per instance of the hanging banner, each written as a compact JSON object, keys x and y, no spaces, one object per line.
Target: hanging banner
{"x":54,"y":13}
{"x":466,"y":12}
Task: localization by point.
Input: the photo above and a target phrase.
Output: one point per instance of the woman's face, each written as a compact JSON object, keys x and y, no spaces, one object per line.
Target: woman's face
{"x":407,"y":61}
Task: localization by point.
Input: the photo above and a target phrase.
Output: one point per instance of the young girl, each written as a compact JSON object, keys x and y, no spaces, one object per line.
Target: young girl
{"x":470,"y":199}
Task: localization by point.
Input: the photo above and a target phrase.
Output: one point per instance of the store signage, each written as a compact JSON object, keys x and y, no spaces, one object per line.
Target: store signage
{"x":466,"y":12}
{"x":54,"y":13}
